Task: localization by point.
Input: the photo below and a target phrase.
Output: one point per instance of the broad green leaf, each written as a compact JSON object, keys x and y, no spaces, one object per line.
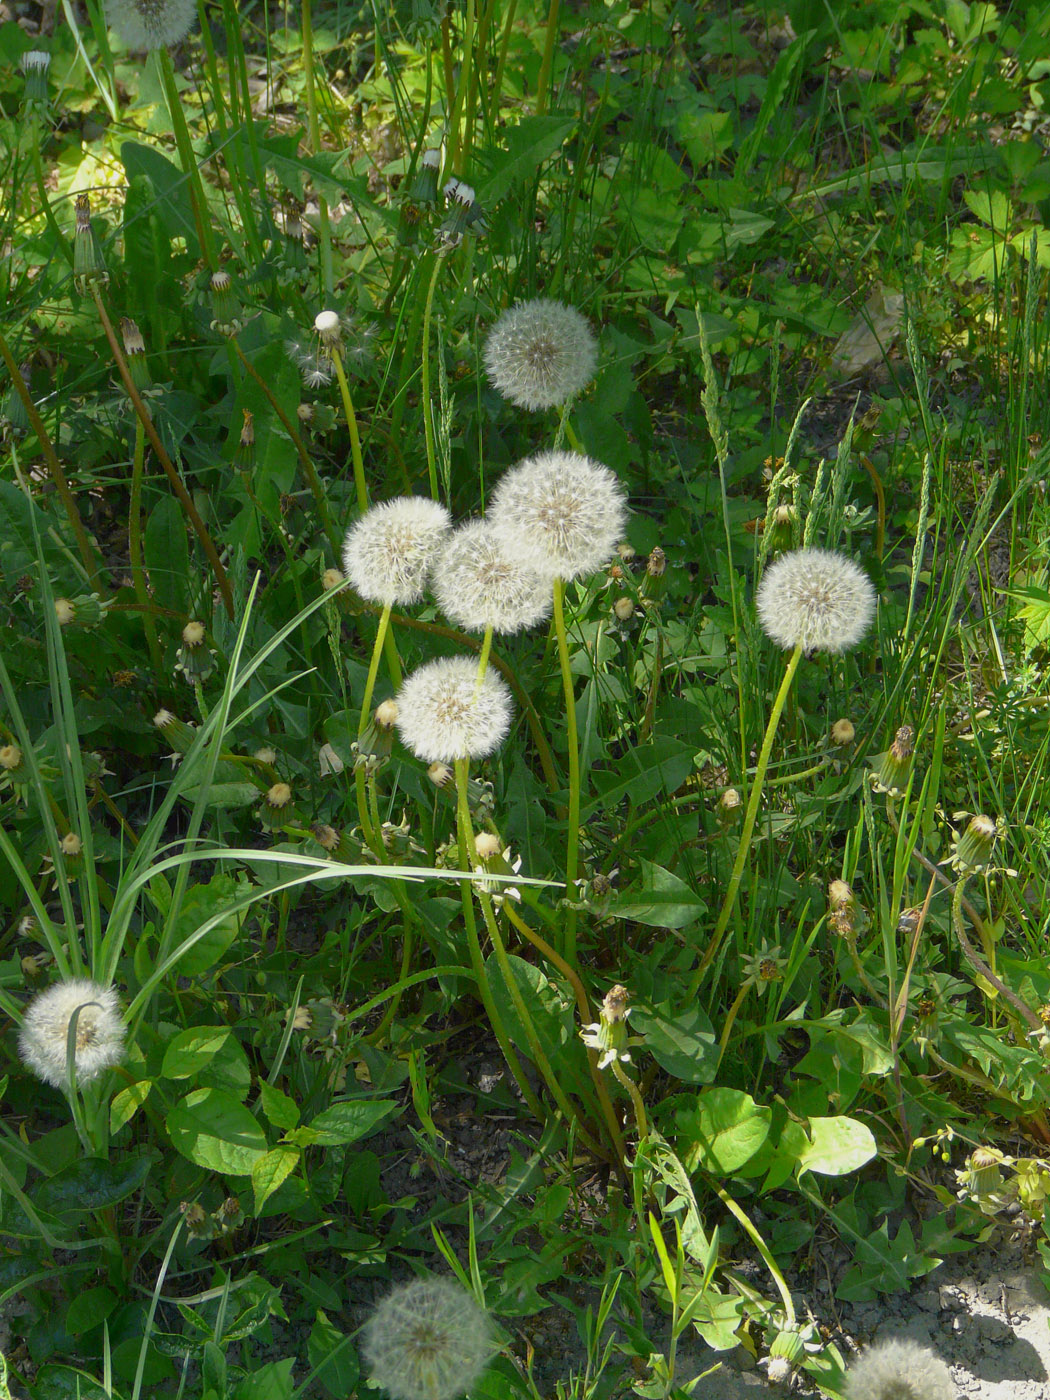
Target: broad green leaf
{"x":213,"y":1129}
{"x":837,"y":1146}
{"x":280,"y":1110}
{"x":663,"y":901}
{"x":332,"y":1358}
{"x":528,"y":145}
{"x":127,"y":1103}
{"x":192,"y":1049}
{"x":682,"y":1042}
{"x":270,"y":1382}
{"x":169,"y":185}
{"x":200,"y":904}
{"x":167,"y":553}
{"x":271,"y":1170}
{"x":91,"y":1183}
{"x":66,"y":1383}
{"x":89,"y":1309}
{"x":346,"y":1122}
{"x":723,"y":1131}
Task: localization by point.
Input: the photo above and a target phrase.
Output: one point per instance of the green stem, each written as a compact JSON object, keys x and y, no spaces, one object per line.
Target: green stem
{"x":549,"y":41}
{"x":314,"y":130}
{"x":49,"y":214}
{"x":637,"y":1103}
{"x":750,"y":816}
{"x":138,"y":574}
{"x":461,"y":121}
{"x":373,"y":669}
{"x":187,"y":159}
{"x":572,"y":835}
{"x":351,"y":423}
{"x":428,"y":423}
{"x":763,"y":1249}
{"x":508,"y":30}
{"x":483,"y":655}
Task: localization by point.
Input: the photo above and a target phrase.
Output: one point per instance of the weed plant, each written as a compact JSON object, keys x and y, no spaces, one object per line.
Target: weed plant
{"x":523,"y":738}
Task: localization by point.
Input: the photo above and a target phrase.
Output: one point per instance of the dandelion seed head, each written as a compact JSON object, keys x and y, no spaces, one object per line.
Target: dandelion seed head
{"x":899,"y":1370}
{"x":478,"y":584}
{"x":559,"y":513}
{"x":387,"y":554}
{"x":540,"y":354}
{"x":815,"y":599}
{"x":151,"y":24}
{"x":45,"y":1029}
{"x":428,"y":1340}
{"x":444,"y":714}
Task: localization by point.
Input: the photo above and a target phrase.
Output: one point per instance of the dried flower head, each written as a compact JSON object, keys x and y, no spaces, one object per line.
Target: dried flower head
{"x":427,"y":1340}
{"x":478,"y":584}
{"x":151,"y":24}
{"x":559,"y":513}
{"x":899,"y":1370}
{"x":98,"y":1038}
{"x":331,"y":578}
{"x":972,"y":849}
{"x":388,"y":553}
{"x":815,"y":599}
{"x":541,"y":354}
{"x":444,"y":714}
{"x":890,"y":771}
{"x":842,"y":733}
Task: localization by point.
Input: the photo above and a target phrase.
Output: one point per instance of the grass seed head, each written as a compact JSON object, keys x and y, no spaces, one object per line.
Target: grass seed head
{"x":815,"y":599}
{"x":151,"y":24}
{"x":479,"y":584}
{"x":541,"y":354}
{"x":559,"y":513}
{"x":899,"y":1370}
{"x":388,"y":553}
{"x":444,"y":714}
{"x":45,"y":1030}
{"x":428,"y":1340}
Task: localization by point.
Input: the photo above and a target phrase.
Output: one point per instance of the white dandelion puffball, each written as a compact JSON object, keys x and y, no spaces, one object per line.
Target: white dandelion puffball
{"x":99,"y":1033}
{"x":815,"y":599}
{"x":428,"y":1340}
{"x":444,"y":714}
{"x":387,"y":554}
{"x":559,"y":513}
{"x":899,"y":1370}
{"x":151,"y":24}
{"x":540,"y":354}
{"x":479,"y":585}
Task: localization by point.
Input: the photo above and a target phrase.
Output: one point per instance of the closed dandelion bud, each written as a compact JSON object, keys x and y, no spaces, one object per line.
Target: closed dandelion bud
{"x":424,"y":187}
{"x":541,"y":354}
{"x":466,"y":214}
{"x":225,"y":308}
{"x":196,"y":1219}
{"x":337,"y":844}
{"x":331,"y":578}
{"x":244,"y":456}
{"x":151,"y":24}
{"x":35,"y":64}
{"x":65,"y":612}
{"x":396,"y":838}
{"x":842,"y":733}
{"x":983,"y":1170}
{"x":908,"y":920}
{"x":892,"y":769}
{"x":276,"y":809}
{"x":194,"y":658}
{"x":11,"y":765}
{"x":88,"y":263}
{"x":98,"y":1039}
{"x":177,"y":733}
{"x":899,"y":1370}
{"x":71,"y":846}
{"x":375,"y":745}
{"x":972,"y":851}
{"x":427,"y":1340}
{"x":229,"y":1215}
{"x":843,"y":910}
{"x":728,"y":807}
{"x":34,"y":967}
{"x":608,"y":1035}
{"x":326,"y":836}
{"x":654,"y":581}
{"x":623,"y":609}
{"x":135,"y":353}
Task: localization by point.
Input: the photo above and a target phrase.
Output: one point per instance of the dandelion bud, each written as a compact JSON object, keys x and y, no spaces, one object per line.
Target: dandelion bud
{"x":388,"y":553}
{"x":194,"y":659}
{"x":842,"y":733}
{"x":331,"y":578}
{"x":427,"y":1340}
{"x":225,"y":308}
{"x":893,"y":768}
{"x":541,"y":354}
{"x":623,"y":609}
{"x":728,"y":807}
{"x":440,"y":774}
{"x":35,"y":64}
{"x":178,"y":734}
{"x":375,"y":745}
{"x":65,"y":612}
{"x":654,"y":580}
{"x":609,"y":1035}
{"x":151,"y":24}
{"x":244,"y":455}
{"x":88,"y":264}
{"x":424,"y":188}
{"x":276,"y":809}
{"x":466,"y":215}
{"x":843,"y":910}
{"x":487,"y":846}
{"x":899,"y":1370}
{"x":815,"y":599}
{"x":972,"y":851}
{"x":10,"y":759}
{"x":229,"y":1215}
{"x":135,"y":353}
{"x":71,"y":846}
{"x":98,"y":1038}
{"x":196,"y":1220}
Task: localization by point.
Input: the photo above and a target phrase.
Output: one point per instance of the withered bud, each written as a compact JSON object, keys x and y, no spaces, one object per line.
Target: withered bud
{"x":71,"y":845}
{"x":616,"y":1004}
{"x":386,"y":714}
{"x":193,"y":634}
{"x":624,"y":609}
{"x":487,"y":845}
{"x":842,"y":733}
{"x":331,"y":578}
{"x":440,"y":774}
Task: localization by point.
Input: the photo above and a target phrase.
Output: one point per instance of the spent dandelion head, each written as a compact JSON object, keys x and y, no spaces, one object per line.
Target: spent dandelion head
{"x":151,"y":24}
{"x":899,"y":1369}
{"x":478,"y":584}
{"x":559,"y":513}
{"x":815,"y":599}
{"x":444,"y":713}
{"x":388,"y":553}
{"x":541,"y":354}
{"x":427,"y":1340}
{"x":98,"y":1038}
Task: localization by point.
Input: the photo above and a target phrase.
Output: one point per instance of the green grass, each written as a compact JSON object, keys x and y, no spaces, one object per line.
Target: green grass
{"x":816,"y":261}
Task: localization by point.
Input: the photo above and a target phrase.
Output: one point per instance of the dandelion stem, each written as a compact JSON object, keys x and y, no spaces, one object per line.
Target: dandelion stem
{"x":572,"y":835}
{"x":543,"y":82}
{"x":138,"y":575}
{"x":428,"y":423}
{"x":351,"y":423}
{"x":483,"y":656}
{"x":373,"y":669}
{"x":750,"y":816}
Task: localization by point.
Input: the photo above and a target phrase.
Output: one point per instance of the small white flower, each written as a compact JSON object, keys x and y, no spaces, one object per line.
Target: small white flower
{"x":444,"y":714}
{"x":815,"y":599}
{"x":478,"y":584}
{"x":387,"y":554}
{"x":43,"y":1038}
{"x":899,"y":1370}
{"x":559,"y":513}
{"x":151,"y":24}
{"x":540,"y":354}
{"x":428,"y":1340}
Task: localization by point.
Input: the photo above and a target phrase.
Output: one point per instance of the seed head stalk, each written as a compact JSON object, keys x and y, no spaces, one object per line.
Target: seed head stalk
{"x":138,"y":575}
{"x":750,"y":817}
{"x":428,"y":422}
{"x":351,"y":423}
{"x":572,"y":835}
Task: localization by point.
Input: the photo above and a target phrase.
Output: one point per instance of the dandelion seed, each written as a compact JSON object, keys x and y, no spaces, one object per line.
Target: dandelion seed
{"x":387,"y":554}
{"x":479,"y":585}
{"x":541,"y":354}
{"x":815,"y":599}
{"x":559,"y":513}
{"x":99,"y":1036}
{"x":444,"y":714}
{"x":151,"y":24}
{"x":428,"y":1340}
{"x":899,"y":1370}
